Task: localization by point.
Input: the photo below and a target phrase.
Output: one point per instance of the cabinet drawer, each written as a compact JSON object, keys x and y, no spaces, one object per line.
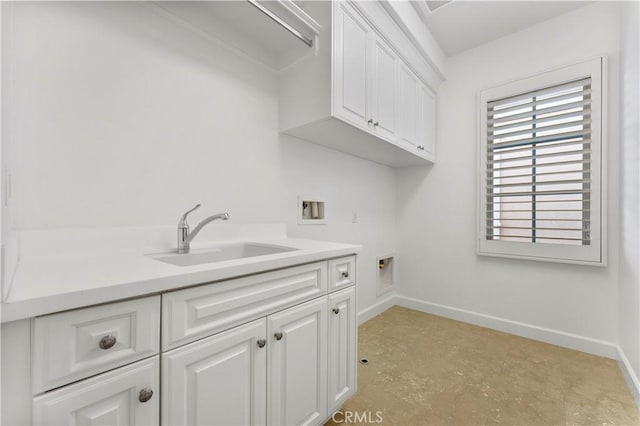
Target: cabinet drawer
{"x":76,"y":344}
{"x":342,"y":273}
{"x":191,"y":314}
{"x":126,"y":396}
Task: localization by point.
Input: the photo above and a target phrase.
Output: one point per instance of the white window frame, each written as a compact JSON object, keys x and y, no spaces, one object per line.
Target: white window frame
{"x":596,"y":252}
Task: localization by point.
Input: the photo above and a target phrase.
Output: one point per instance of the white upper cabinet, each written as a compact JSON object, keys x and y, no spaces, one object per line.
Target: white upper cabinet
{"x":351,"y":102}
{"x":417,"y":110}
{"x":363,"y":92}
{"x":408,"y":108}
{"x":427,"y":123}
{"x":364,"y":75}
{"x":383,"y":99}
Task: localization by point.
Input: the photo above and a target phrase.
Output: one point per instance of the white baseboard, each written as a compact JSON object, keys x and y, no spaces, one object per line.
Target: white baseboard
{"x":629,"y":375}
{"x":547,"y":335}
{"x":376,"y":309}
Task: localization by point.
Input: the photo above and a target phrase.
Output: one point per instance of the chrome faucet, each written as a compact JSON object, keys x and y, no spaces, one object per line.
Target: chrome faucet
{"x":185,"y":237}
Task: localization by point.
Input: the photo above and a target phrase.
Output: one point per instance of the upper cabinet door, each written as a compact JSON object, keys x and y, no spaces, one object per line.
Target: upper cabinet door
{"x":297,"y":373}
{"x":427,"y":128}
{"x":408,"y":107}
{"x":384,"y":89}
{"x":220,"y":380}
{"x":351,"y":71}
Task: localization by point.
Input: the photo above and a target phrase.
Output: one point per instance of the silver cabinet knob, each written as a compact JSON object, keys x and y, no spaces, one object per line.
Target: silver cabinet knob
{"x":278,"y":335}
{"x":370,"y":121}
{"x":376,"y":124}
{"x":261,"y":343}
{"x":336,"y":310}
{"x":107,"y":342}
{"x":421,"y":147}
{"x":345,"y":275}
{"x":145,"y":395}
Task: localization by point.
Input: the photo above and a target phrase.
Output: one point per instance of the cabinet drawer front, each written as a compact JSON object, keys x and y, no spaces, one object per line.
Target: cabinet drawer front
{"x":191,"y":314}
{"x":219,"y":380}
{"x":112,"y":398}
{"x":73,"y":345}
{"x":343,"y":273}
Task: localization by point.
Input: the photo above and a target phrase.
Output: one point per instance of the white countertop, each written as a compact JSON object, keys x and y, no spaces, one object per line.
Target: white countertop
{"x":47,"y":281}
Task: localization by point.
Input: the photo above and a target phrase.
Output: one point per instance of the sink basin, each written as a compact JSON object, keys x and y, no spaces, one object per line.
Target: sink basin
{"x":220,"y":253}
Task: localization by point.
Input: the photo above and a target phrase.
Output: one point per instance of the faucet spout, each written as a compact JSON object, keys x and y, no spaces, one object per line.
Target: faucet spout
{"x":198,"y":228}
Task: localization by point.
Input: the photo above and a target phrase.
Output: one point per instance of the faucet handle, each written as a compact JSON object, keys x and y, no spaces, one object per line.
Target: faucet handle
{"x":183,"y":219}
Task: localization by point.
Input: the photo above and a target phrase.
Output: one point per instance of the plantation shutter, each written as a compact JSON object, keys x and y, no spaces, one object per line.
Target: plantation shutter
{"x":538,"y":165}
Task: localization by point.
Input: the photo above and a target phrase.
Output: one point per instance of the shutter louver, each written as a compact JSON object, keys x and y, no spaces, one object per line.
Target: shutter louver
{"x":538,"y":160}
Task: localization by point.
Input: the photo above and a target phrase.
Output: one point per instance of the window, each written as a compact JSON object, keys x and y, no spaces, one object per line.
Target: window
{"x":541,"y":167}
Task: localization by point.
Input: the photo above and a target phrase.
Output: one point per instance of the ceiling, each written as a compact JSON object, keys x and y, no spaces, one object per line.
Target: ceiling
{"x":459,"y":25}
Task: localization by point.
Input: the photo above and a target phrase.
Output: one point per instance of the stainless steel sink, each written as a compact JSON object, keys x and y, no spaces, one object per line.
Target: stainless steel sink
{"x":220,"y":253}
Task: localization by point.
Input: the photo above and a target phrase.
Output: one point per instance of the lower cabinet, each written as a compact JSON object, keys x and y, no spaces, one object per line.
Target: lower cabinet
{"x":269,"y":371}
{"x":126,"y":396}
{"x":285,"y":365}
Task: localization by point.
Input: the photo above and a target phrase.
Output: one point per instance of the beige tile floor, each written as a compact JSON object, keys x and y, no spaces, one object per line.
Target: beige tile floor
{"x":428,"y":370}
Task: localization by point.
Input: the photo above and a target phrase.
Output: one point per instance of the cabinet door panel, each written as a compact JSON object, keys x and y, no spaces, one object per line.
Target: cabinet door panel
{"x":343,"y":338}
{"x":408,"y":108}
{"x":298,"y":364}
{"x":384,"y":89}
{"x":220,"y":380}
{"x":427,"y":136}
{"x":108,"y":399}
{"x":351,"y":67}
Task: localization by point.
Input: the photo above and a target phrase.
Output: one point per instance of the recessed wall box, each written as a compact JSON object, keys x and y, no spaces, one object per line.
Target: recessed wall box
{"x":311,"y":211}
{"x":385,"y":275}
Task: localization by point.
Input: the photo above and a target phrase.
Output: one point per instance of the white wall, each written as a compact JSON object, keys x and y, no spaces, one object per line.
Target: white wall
{"x":629,"y":293}
{"x":437,"y":206}
{"x":117,"y":117}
